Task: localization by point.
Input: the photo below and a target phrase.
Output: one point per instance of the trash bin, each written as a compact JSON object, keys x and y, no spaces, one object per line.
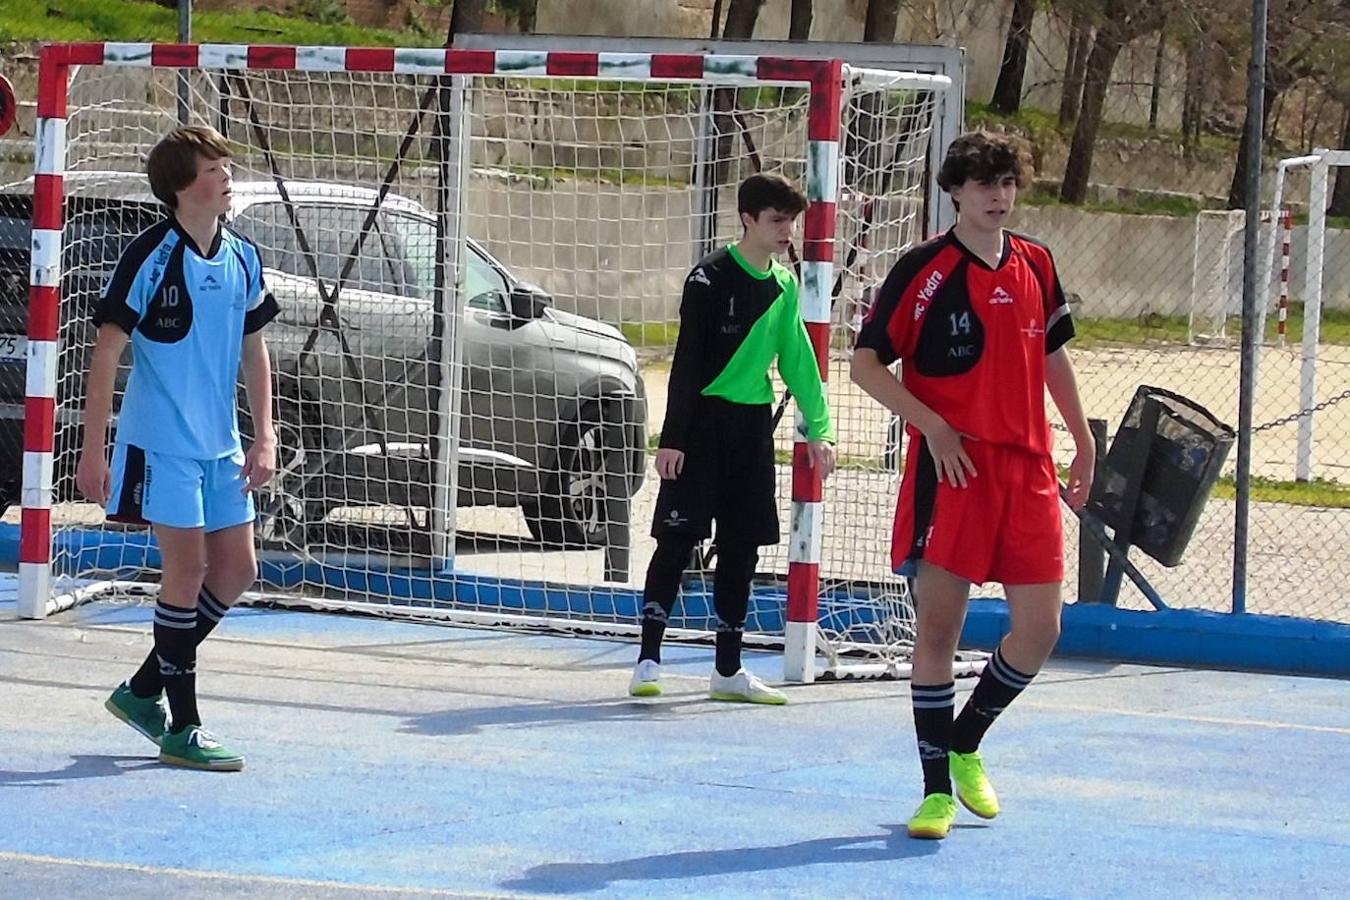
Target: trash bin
{"x":1158,"y":474}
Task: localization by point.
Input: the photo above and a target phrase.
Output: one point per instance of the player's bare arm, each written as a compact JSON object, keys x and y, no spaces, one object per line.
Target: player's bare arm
{"x":92,"y":475}
{"x":944,"y":442}
{"x":260,"y":463}
{"x":1063,"y":387}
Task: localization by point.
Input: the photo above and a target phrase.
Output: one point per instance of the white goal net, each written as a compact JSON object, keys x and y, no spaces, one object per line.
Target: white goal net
{"x":1217,"y":272}
{"x":479,"y":276}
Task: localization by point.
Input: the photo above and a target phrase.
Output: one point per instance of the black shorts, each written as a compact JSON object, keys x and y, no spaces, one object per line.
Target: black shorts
{"x":728,"y":475}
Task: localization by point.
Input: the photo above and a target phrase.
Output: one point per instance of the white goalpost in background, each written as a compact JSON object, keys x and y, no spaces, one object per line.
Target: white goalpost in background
{"x":1318,"y":165}
{"x":476,"y":253}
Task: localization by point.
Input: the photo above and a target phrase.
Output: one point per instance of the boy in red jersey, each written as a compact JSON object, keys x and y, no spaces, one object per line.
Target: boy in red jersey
{"x":978,"y":321}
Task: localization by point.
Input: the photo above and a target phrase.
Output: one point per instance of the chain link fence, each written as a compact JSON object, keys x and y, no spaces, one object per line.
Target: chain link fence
{"x":1157,"y":300}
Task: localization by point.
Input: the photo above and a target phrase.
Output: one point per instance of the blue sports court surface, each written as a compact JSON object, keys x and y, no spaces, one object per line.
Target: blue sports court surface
{"x":393,"y":759}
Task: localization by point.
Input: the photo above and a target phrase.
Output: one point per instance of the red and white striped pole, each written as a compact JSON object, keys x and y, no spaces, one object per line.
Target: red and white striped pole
{"x":44,"y":308}
{"x":808,"y":510}
{"x":1286,"y":239}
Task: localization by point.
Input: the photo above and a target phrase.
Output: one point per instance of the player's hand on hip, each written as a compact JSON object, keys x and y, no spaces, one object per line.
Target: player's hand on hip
{"x":949,"y":456}
{"x":260,"y":464}
{"x":93,"y":477}
{"x":820,"y":456}
{"x":1081,"y":471}
{"x":669,"y":463}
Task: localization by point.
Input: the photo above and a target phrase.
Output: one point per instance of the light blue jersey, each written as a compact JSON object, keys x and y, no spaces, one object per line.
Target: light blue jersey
{"x":187,"y":314}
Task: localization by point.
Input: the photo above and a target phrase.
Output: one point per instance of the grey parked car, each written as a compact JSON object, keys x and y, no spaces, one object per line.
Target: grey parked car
{"x":552,"y":408}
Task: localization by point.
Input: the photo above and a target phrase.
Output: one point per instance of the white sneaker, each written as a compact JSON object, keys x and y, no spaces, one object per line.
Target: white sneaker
{"x":646,"y":680}
{"x":744,"y":688}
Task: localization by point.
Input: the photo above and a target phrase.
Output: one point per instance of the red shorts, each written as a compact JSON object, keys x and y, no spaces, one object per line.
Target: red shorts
{"x":1003,"y":526}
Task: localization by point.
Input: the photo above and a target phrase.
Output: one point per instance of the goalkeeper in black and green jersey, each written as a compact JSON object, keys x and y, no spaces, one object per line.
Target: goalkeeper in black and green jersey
{"x":740,"y":312}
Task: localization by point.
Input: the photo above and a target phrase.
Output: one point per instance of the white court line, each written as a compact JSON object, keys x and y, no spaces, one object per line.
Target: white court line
{"x":1179,"y":717}
{"x":363,"y":889}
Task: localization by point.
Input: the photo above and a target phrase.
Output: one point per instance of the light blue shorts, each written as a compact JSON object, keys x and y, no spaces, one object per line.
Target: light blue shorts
{"x":154,"y":488}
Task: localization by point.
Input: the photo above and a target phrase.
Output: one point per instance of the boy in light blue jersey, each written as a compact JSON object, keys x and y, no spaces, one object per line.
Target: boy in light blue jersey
{"x":189,"y":296}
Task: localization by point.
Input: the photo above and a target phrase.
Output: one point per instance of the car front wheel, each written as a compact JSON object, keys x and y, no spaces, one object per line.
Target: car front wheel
{"x":579,"y":501}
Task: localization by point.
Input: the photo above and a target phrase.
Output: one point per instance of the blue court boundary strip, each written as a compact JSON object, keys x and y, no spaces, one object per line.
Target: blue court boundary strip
{"x":124,"y":554}
{"x":1182,"y":637}
{"x":1174,"y":636}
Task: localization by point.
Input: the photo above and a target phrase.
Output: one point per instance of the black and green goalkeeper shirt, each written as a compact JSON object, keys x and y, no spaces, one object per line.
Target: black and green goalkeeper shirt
{"x":734,"y":322}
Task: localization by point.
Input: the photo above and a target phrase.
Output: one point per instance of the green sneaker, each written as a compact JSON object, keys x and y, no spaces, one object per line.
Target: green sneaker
{"x":148,"y":715}
{"x":972,"y":784}
{"x":196,"y":748}
{"x":934,"y":817}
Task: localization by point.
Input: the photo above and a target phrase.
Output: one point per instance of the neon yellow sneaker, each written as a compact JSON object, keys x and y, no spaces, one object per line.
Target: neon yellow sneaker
{"x":934,"y":817}
{"x":972,"y":784}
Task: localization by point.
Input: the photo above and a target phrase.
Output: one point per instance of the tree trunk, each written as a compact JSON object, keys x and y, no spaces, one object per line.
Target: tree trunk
{"x":528,"y":15}
{"x":1080,"y":37}
{"x":741,"y":18}
{"x":1096,"y":78}
{"x":1237,"y":191}
{"x":1193,"y":95}
{"x":882,"y":17}
{"x":1155,"y":92}
{"x":1008,"y":91}
{"x":799,"y":27}
{"x":1340,"y":196}
{"x":465,"y":16}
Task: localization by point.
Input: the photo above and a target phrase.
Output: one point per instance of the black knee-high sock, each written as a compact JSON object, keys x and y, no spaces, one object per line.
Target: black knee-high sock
{"x":658,"y":595}
{"x":731,"y":598}
{"x":933,"y":705}
{"x":998,"y":686}
{"x":146,"y":682}
{"x":176,"y":650}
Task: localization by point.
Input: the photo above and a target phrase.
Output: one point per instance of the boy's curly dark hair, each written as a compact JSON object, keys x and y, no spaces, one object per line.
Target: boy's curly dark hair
{"x":985,"y":157}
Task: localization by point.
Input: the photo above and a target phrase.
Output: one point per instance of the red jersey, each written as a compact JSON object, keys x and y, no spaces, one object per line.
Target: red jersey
{"x":972,"y":340}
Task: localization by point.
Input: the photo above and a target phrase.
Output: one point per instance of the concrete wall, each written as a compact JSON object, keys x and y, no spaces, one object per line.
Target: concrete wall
{"x":621,"y":254}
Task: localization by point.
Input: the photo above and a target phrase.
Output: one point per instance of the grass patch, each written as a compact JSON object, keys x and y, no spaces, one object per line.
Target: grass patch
{"x":650,"y":334}
{"x":1040,"y":125}
{"x":132,"y":20}
{"x":547,"y":176}
{"x":1322,"y":492}
{"x":1037,"y":124}
{"x":1153,"y":329}
{"x":1136,"y":205}
{"x":1091,"y":332}
{"x":1140,"y":330}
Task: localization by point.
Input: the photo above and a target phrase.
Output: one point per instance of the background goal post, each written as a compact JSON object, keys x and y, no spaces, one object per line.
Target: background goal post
{"x":478,"y":256}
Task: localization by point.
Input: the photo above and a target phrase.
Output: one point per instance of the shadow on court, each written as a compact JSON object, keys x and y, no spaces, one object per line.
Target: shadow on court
{"x":573,"y":878}
{"x":400,"y":759}
{"x":83,"y":766}
{"x":469,"y":721}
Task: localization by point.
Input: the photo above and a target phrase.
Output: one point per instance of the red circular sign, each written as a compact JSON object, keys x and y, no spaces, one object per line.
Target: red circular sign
{"x":9,"y":105}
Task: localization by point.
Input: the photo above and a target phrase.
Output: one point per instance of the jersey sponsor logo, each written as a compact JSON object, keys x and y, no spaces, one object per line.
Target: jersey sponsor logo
{"x":210,"y":283}
{"x":930,"y":286}
{"x":698,"y":276}
{"x":1000,"y":297}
